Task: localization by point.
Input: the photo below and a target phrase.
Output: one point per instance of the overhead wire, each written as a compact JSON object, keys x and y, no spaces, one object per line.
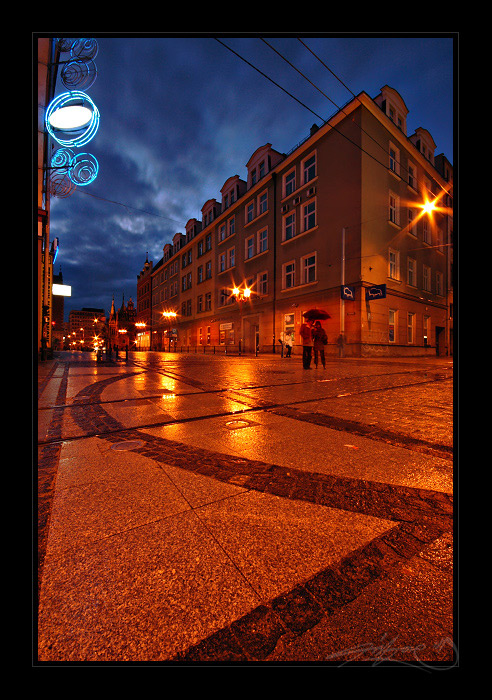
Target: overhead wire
{"x":383,"y":148}
{"x":323,"y":120}
{"x":358,"y":99}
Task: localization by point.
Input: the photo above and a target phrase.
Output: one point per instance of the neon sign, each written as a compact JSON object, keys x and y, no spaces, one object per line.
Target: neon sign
{"x":82,"y":168}
{"x":72,"y":119}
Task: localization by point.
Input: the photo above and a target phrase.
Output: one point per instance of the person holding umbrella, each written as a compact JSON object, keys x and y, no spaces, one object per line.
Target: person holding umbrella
{"x":307,"y":343}
{"x":307,"y":336}
{"x":319,"y":342}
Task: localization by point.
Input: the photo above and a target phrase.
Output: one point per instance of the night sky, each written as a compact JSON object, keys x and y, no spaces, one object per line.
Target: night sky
{"x":179,"y":115}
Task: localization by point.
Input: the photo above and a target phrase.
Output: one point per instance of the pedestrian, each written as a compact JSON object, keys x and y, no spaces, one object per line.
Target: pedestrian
{"x":288,"y":344}
{"x":307,"y":344}
{"x":340,"y":343}
{"x":319,"y":342}
{"x":281,"y":340}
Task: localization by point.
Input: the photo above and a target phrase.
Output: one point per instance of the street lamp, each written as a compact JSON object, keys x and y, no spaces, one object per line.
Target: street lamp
{"x":240,"y":296}
{"x":169,"y":315}
{"x":140,"y":324}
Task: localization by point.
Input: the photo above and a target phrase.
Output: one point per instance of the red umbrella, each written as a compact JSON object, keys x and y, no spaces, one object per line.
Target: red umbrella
{"x":316,"y":314}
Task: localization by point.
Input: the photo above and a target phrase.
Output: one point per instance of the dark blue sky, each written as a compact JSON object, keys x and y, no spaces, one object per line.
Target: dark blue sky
{"x":179,"y":115}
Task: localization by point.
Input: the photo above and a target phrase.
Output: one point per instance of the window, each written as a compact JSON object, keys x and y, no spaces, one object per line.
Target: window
{"x":394,"y":159}
{"x":263,"y":203}
{"x":309,"y":215}
{"x":208,"y":305}
{"x":412,"y":176}
{"x":263,"y":283}
{"x":231,"y":255}
{"x":439,"y":283}
{"x":391,"y":326}
{"x":308,"y":268}
{"x":394,"y":264}
{"x":208,"y":270}
{"x":222,"y":262}
{"x":249,"y":247}
{"x":289,"y":183}
{"x":426,"y":237}
{"x":289,"y":224}
{"x":410,"y":328}
{"x":225,"y":296}
{"x":412,"y":227}
{"x":394,"y":208}
{"x":250,"y":212}
{"x":262,"y":241}
{"x":199,"y":274}
{"x":199,"y":307}
{"x":426,"y":278}
{"x":200,"y":248}
{"x":231,"y":223}
{"x":411,"y":272}
{"x":289,"y":270}
{"x":426,"y":328}
{"x":222,"y":232}
{"x":208,"y":242}
{"x":309,"y":168}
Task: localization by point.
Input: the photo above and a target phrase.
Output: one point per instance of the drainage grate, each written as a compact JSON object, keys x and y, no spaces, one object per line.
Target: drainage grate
{"x":128,"y":445}
{"x":238,"y":423}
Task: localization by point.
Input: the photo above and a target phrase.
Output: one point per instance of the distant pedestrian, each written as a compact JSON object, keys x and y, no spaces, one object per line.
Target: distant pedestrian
{"x":288,"y":344}
{"x":319,"y":342}
{"x":340,"y":343}
{"x":307,"y":344}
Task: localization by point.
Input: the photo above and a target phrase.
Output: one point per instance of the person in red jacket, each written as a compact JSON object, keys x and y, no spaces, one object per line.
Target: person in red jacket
{"x":307,"y":344}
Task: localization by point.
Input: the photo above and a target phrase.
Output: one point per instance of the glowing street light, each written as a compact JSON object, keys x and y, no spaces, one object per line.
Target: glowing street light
{"x":240,"y":296}
{"x":169,"y":315}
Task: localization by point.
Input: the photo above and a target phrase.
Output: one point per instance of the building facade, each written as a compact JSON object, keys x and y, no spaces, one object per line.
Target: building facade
{"x":121,"y":326}
{"x":47,"y":56}
{"x":338,"y":224}
{"x":85,"y":327}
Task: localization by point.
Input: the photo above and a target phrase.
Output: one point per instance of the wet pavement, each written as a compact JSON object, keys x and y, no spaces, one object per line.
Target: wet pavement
{"x":210,"y":509}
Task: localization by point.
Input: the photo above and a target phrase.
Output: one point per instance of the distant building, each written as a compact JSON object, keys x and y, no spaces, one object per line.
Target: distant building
{"x":84,"y":326}
{"x":121,"y":325}
{"x":339,"y":224}
{"x":144,"y":306}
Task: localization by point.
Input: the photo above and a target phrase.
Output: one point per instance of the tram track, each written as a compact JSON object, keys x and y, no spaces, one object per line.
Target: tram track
{"x":89,"y":401}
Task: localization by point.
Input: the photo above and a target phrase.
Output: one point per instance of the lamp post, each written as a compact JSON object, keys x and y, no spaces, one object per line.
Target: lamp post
{"x":240,"y":296}
{"x":169,"y":315}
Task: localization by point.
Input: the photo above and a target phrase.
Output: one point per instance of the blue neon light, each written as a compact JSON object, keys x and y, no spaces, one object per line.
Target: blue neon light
{"x":83,"y":169}
{"x":77,"y":139}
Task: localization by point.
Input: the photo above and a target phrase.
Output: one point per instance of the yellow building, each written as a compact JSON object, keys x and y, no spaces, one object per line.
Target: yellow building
{"x":339,"y":224}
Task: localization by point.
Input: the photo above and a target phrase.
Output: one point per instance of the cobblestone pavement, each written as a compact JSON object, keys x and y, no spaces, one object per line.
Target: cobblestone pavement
{"x":218,"y":509}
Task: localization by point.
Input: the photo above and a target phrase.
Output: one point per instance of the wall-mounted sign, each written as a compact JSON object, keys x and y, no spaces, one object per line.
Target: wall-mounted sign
{"x":61,"y":290}
{"x":376,"y":291}
{"x":347,"y":293}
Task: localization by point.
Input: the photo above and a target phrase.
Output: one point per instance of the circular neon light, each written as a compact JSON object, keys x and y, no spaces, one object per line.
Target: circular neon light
{"x":83,"y":169}
{"x":72,"y":135}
